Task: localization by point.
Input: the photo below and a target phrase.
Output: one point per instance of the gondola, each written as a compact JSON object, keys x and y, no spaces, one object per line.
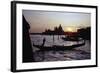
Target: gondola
{"x":71,"y":39}
{"x":58,"y":47}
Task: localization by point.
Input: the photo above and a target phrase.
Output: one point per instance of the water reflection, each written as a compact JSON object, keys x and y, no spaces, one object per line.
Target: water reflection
{"x":79,"y":53}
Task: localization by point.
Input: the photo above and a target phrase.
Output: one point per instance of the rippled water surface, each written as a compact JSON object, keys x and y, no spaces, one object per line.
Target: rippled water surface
{"x":79,"y":53}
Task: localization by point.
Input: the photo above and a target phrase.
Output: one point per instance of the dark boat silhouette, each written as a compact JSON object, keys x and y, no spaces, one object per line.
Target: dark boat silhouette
{"x":71,"y":38}
{"x":58,"y":47}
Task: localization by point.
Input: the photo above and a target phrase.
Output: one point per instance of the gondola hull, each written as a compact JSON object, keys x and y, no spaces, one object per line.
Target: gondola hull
{"x":56,"y":47}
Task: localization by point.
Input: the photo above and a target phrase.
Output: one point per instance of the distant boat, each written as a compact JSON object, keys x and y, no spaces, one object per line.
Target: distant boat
{"x":71,"y":38}
{"x":58,"y":47}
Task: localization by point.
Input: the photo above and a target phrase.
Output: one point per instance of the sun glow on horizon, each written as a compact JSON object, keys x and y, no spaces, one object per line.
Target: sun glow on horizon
{"x":70,"y":29}
{"x":70,"y":21}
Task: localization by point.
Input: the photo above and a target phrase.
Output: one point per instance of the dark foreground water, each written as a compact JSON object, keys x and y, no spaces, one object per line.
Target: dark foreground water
{"x":79,"y":53}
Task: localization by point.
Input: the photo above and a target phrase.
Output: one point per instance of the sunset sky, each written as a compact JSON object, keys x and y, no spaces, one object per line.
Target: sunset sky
{"x":70,"y":21}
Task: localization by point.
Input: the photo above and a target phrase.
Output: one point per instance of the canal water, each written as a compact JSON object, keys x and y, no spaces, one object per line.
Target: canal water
{"x":79,"y":53}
